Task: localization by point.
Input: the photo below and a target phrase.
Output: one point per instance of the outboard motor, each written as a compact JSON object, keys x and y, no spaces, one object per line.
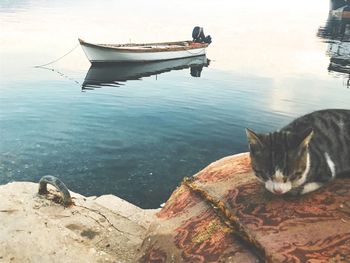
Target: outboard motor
{"x":196,"y":71}
{"x":199,"y":37}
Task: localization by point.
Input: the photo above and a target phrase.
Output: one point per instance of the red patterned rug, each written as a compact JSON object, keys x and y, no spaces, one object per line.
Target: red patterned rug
{"x":223,"y":214}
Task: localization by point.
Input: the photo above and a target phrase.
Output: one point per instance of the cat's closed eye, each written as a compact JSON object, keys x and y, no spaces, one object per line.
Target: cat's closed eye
{"x":296,"y":175}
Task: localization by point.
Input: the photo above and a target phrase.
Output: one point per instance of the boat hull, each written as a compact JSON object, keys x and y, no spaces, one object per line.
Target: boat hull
{"x":103,"y":54}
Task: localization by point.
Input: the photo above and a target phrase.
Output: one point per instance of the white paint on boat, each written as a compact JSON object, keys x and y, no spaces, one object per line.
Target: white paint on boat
{"x":142,"y":53}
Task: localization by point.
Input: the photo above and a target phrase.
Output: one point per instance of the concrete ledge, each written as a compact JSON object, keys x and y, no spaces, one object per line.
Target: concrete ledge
{"x":35,"y":229}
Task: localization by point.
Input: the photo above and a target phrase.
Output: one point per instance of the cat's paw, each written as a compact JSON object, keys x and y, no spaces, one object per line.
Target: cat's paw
{"x":295,"y":191}
{"x":310,"y":187}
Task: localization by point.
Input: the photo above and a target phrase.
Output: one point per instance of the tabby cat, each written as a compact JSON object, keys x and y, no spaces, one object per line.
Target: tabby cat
{"x":305,"y":154}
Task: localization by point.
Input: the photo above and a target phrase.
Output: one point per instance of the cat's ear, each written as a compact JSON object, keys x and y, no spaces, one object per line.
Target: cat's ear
{"x":306,"y":137}
{"x":253,"y":138}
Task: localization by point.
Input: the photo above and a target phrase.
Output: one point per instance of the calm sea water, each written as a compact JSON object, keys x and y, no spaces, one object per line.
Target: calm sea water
{"x":138,"y":139}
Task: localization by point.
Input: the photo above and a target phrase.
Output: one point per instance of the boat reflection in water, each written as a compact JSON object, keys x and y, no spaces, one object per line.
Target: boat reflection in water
{"x":107,"y":74}
{"x":336,"y":33}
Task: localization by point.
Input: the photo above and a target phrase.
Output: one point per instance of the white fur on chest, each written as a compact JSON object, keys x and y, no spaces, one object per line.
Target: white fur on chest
{"x":330,"y":164}
{"x":312,"y":186}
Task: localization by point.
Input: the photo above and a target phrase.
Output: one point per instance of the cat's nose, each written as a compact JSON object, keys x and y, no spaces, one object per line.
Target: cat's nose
{"x":278,"y":191}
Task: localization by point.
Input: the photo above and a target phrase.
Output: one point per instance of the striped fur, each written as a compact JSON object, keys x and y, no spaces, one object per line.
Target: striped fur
{"x":304,"y":155}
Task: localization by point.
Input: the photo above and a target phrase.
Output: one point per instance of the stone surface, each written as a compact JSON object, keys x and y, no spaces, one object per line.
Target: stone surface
{"x":35,"y":229}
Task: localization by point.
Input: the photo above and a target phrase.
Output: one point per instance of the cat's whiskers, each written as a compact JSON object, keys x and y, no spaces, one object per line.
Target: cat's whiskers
{"x":259,"y":179}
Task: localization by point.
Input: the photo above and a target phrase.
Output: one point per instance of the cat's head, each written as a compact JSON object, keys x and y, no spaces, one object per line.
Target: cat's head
{"x":281,"y":159}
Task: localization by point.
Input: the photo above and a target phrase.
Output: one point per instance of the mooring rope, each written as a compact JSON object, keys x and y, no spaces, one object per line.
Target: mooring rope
{"x":232,"y":220}
{"x":43,"y":66}
{"x":61,"y":74}
{"x":70,"y":51}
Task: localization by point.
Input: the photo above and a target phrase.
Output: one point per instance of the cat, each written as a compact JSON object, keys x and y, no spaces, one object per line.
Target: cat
{"x":304,"y":155}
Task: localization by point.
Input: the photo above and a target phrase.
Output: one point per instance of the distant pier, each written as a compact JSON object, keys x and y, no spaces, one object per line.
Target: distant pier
{"x":334,"y":4}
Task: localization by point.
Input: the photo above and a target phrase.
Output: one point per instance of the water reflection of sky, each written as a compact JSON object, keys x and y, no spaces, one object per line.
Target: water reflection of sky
{"x":138,"y":140}
{"x":248,"y":36}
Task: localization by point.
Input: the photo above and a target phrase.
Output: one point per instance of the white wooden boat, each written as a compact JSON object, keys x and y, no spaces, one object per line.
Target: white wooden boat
{"x":114,"y":74}
{"x":142,"y":52}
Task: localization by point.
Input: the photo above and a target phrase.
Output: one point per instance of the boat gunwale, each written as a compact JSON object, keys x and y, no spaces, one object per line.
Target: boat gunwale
{"x":141,"y":61}
{"x":124,"y":47}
